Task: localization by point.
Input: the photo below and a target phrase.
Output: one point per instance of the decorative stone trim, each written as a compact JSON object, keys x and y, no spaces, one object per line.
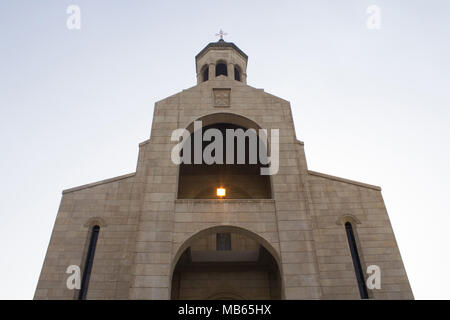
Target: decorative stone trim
{"x":95,"y":221}
{"x":347,"y":218}
{"x":222,"y":97}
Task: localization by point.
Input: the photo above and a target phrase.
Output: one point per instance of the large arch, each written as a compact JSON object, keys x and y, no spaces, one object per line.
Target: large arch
{"x":244,"y":180}
{"x":191,"y":239}
{"x":224,"y":117}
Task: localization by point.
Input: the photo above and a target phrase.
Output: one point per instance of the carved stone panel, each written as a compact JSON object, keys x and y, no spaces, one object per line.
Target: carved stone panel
{"x":221,"y":97}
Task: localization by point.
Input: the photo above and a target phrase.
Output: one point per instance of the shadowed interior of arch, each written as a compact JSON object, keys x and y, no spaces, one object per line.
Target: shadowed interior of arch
{"x":208,"y":270}
{"x":237,"y":74}
{"x":241,"y":181}
{"x":221,"y":69}
{"x":205,"y":73}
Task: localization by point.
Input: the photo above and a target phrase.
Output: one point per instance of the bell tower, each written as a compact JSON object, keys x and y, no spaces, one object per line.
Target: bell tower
{"x":221,"y":60}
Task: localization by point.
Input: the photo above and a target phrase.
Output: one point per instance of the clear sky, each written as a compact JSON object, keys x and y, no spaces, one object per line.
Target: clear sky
{"x":370,"y":105}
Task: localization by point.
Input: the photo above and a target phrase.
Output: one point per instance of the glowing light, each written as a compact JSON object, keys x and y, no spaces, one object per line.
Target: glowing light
{"x":221,"y":192}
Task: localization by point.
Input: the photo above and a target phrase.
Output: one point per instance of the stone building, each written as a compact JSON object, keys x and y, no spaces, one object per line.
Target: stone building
{"x":163,"y":232}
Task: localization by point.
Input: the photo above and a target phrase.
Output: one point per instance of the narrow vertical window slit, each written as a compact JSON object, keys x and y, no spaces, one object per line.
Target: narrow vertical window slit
{"x":89,"y":262}
{"x":356,"y":261}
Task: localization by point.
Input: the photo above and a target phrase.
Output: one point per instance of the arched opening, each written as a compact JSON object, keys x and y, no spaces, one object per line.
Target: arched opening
{"x":248,"y":270}
{"x":237,"y":164}
{"x":89,"y":262}
{"x":221,"y":69}
{"x":237,"y":74}
{"x":205,"y":73}
{"x":356,"y":261}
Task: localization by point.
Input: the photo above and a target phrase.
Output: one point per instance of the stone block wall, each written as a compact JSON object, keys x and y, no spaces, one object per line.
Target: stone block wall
{"x":114,"y":206}
{"x":336,"y":201}
{"x":145,"y":228}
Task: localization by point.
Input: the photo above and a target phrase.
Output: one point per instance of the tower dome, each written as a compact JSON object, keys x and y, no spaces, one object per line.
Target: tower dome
{"x":221,"y":59}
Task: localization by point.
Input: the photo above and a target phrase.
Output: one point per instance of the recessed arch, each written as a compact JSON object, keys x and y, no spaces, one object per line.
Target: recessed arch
{"x":204,"y":72}
{"x":224,"y":229}
{"x":243,"y":179}
{"x":237,"y":73}
{"x":221,"y":68}
{"x":224,"y":117}
{"x":192,"y":238}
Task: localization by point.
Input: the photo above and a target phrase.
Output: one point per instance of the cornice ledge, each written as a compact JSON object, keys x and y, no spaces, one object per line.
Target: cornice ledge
{"x":360,"y":184}
{"x":93,"y":184}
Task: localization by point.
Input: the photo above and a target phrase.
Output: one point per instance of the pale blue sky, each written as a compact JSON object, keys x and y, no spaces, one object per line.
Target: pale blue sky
{"x":372,"y":106}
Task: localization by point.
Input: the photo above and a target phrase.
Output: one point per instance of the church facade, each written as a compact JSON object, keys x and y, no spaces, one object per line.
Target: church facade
{"x":223,"y":230}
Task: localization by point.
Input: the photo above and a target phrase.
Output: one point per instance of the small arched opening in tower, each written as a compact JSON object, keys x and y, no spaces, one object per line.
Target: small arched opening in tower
{"x":237,"y":74}
{"x":205,"y":73}
{"x":221,"y":69}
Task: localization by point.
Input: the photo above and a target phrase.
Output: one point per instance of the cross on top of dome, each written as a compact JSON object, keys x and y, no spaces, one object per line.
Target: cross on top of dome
{"x":221,"y":34}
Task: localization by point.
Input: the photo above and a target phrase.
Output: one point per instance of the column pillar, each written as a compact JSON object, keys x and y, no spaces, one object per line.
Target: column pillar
{"x":244,"y":77}
{"x":212,"y":71}
{"x":230,"y":70}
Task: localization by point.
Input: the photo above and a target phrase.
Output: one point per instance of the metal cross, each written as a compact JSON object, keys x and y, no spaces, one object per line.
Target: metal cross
{"x":221,"y":34}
